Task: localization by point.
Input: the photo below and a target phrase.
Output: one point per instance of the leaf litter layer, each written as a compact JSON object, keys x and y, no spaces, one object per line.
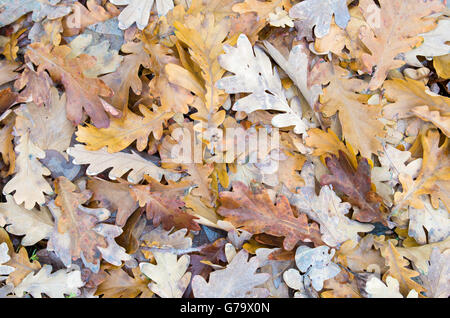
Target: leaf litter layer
{"x":130,"y":165}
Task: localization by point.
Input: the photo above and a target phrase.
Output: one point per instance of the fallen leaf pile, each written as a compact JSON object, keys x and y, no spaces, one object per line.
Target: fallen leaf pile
{"x":99,"y":100}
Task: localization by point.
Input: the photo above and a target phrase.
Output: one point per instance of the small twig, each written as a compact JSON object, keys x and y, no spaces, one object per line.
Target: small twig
{"x":177,"y":251}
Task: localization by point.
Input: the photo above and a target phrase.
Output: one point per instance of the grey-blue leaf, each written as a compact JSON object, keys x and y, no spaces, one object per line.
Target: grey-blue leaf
{"x":318,"y":14}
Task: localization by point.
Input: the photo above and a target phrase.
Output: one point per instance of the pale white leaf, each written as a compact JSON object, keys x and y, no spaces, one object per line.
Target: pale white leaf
{"x":120,"y":162}
{"x":238,"y":280}
{"x":316,"y":264}
{"x":55,"y":285}
{"x":169,"y":275}
{"x":34,"y":224}
{"x":317,"y":14}
{"x":434,"y":44}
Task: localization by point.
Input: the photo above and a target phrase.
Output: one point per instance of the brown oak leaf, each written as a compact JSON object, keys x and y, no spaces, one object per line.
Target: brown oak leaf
{"x":83,"y":93}
{"x":256,"y":213}
{"x":356,"y":185}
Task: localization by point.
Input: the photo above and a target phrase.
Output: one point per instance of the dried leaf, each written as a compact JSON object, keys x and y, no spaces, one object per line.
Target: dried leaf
{"x":255,"y":212}
{"x":237,"y":280}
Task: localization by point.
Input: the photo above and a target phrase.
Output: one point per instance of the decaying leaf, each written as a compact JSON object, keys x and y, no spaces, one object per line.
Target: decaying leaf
{"x":254,"y":75}
{"x":433,"y":178}
{"x":398,"y":269}
{"x":28,"y":181}
{"x":316,"y":264}
{"x":83,"y":93}
{"x":139,"y":11}
{"x":34,"y":224}
{"x":121,"y":285}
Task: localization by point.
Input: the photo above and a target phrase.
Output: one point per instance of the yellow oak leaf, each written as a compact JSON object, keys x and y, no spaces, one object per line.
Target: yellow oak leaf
{"x":360,"y":121}
{"x":123,"y":131}
{"x":433,"y":178}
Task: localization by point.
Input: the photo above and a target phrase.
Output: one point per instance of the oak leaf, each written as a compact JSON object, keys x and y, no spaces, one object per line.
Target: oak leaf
{"x":326,"y":209}
{"x":125,"y":130}
{"x":361,"y":256}
{"x":169,"y":276}
{"x":393,"y":31}
{"x":254,"y":74}
{"x":127,"y":75}
{"x":434,"y":44}
{"x":239,"y":279}
{"x":433,"y":178}
{"x":79,"y":231}
{"x":48,"y":126}
{"x":19,"y":261}
{"x":356,"y":186}
{"x":82,"y":17}
{"x":120,"y":163}
{"x":398,"y":269}
{"x":82,"y":93}
{"x":360,"y":122}
{"x":14,"y":9}
{"x":139,"y":11}
{"x":255,"y":212}
{"x":28,"y":181}
{"x":4,"y":258}
{"x":328,"y":142}
{"x":318,"y":14}
{"x":409,"y":98}
{"x":165,"y":205}
{"x":437,"y":280}
{"x":420,"y":255}
{"x":377,"y":289}
{"x":54,"y":285}
{"x":114,"y":197}
{"x":316,"y":265}
{"x":34,"y":224}
{"x":36,"y":86}
{"x":119,"y":284}
{"x":435,"y":221}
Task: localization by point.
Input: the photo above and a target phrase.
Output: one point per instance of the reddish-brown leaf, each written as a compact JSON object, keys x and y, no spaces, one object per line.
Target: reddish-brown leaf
{"x":256,"y":213}
{"x":356,"y":185}
{"x":165,"y":205}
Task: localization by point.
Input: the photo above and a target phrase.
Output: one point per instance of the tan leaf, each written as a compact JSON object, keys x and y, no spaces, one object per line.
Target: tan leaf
{"x":80,"y":233}
{"x":255,"y":212}
{"x":393,"y":30}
